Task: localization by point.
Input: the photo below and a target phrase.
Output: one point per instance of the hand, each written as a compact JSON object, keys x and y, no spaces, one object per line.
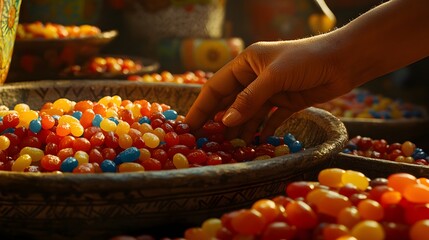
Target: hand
{"x":289,"y":75}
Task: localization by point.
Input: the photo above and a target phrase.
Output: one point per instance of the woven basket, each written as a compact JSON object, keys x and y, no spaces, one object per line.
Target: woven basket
{"x":92,"y":206}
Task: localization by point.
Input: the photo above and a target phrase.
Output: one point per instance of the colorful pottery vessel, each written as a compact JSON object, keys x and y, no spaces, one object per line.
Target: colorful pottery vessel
{"x":9,"y":21}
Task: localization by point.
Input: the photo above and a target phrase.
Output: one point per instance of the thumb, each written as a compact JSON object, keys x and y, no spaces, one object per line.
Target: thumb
{"x":249,"y":101}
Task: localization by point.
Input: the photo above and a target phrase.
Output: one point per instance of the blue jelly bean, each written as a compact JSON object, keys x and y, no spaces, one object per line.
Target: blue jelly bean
{"x":130,"y":154}
{"x":352,"y":146}
{"x":1,"y":118}
{"x":170,"y":114}
{"x":273,"y":140}
{"x":69,"y":164}
{"x":419,"y":154}
{"x":407,"y":114}
{"x":201,"y":142}
{"x":108,"y":166}
{"x":97,"y":120}
{"x":8,"y":130}
{"x":115,"y":120}
{"x":295,"y":147}
{"x":374,"y":114}
{"x":347,"y":150}
{"x":417,"y":113}
{"x":386,"y":115}
{"x":77,"y":114}
{"x":289,"y":138}
{"x":144,"y":119}
{"x":35,"y":126}
{"x":360,"y":97}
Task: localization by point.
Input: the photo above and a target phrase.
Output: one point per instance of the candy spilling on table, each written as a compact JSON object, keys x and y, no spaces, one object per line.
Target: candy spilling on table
{"x":118,"y":135}
{"x":342,"y":205}
{"x":104,"y":65}
{"x":405,"y":152}
{"x":364,"y":104}
{"x":54,"y":31}
{"x":195,"y":77}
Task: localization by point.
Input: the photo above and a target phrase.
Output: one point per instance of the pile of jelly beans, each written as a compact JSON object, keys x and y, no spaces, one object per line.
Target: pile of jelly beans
{"x":405,"y":152}
{"x":116,"y":135}
{"x":364,"y":104}
{"x":102,"y":65}
{"x":196,"y":77}
{"x":342,"y":205}
{"x":54,"y":31}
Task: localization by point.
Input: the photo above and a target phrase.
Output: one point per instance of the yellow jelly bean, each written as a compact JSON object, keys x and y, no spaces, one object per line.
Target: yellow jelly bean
{"x":160,"y":133}
{"x":4,"y":143}
{"x":108,"y":125}
{"x":331,"y":177}
{"x":238,"y":142}
{"x":105,"y":100}
{"x":180,"y":161}
{"x":145,"y":127}
{"x":122,"y":128}
{"x":67,"y":119}
{"x":408,"y":148}
{"x":281,"y":150}
{"x":262,"y":157}
{"x":63,"y":104}
{"x":151,"y":140}
{"x":111,"y":112}
{"x":356,"y":178}
{"x":368,"y":230}
{"x":21,"y":107}
{"x":144,"y":154}
{"x":35,"y":153}
{"x":116,"y":100}
{"x":76,"y":129}
{"x":130,"y":167}
{"x":26,"y":117}
{"x":211,"y":226}
{"x":135,"y":109}
{"x":21,"y":163}
{"x":82,"y":157}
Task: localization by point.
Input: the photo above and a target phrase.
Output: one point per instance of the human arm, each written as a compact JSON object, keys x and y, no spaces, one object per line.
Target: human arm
{"x":293,"y":75}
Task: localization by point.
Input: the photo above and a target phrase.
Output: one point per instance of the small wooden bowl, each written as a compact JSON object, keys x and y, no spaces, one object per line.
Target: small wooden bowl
{"x":35,"y":59}
{"x":88,"y":206}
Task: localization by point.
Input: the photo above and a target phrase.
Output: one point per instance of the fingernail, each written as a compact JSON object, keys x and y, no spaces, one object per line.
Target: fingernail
{"x":231,"y":117}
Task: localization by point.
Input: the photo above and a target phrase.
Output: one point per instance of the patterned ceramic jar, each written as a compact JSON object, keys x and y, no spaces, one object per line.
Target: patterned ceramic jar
{"x":9,"y":21}
{"x":148,"y":21}
{"x":190,"y":54}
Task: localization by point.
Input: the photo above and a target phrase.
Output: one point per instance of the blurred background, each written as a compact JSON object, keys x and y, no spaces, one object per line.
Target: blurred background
{"x":187,"y":35}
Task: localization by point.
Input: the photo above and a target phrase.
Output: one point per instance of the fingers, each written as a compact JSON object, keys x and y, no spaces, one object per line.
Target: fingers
{"x":249,"y":101}
{"x":220,"y":91}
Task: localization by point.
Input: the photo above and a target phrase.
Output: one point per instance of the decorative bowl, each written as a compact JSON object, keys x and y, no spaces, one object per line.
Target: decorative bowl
{"x":35,"y":59}
{"x":84,"y":72}
{"x":93,"y":206}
